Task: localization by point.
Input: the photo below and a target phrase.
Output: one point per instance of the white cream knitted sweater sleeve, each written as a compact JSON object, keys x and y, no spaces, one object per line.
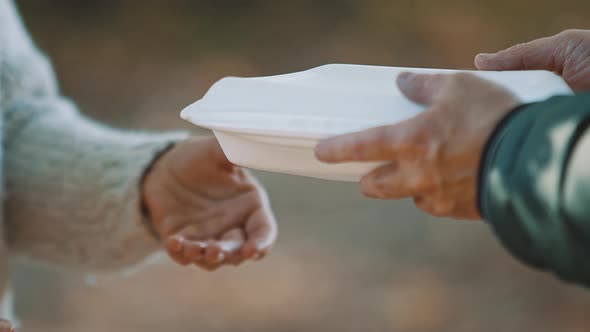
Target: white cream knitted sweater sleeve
{"x":72,"y":186}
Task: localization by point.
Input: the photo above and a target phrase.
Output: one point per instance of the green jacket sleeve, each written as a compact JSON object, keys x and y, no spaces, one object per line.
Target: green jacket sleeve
{"x":535,"y":185}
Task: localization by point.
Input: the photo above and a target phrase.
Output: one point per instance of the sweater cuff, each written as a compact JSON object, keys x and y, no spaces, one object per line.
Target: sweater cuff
{"x":144,"y":213}
{"x":74,"y":187}
{"x":155,"y":151}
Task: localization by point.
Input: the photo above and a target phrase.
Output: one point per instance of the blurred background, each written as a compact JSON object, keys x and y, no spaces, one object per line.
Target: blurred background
{"x":342,"y":263}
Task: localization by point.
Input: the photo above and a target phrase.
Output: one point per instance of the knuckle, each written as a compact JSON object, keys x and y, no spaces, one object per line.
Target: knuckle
{"x":422,"y":184}
{"x":572,"y":38}
{"x":569,"y":33}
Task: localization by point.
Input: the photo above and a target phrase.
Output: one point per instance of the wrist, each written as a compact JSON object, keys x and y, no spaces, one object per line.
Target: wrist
{"x":148,"y":184}
{"x":489,"y":153}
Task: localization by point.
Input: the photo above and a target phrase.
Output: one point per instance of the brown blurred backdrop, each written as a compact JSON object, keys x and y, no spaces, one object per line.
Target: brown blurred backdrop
{"x":343,"y":263}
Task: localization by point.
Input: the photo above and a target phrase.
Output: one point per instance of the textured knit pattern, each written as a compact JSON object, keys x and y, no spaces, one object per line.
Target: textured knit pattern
{"x":70,"y":185}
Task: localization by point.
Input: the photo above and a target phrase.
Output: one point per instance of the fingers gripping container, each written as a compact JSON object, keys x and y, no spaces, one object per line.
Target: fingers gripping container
{"x":273,"y":123}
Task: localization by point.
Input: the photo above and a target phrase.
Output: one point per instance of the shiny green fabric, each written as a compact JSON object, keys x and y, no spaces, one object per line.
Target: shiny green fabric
{"x":535,"y":185}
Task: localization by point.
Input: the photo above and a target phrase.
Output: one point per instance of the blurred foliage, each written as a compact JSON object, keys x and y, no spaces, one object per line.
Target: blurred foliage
{"x":343,"y":263}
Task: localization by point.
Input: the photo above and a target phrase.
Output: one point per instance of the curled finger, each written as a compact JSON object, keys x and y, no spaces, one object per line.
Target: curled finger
{"x":261,"y":233}
{"x":231,"y":244}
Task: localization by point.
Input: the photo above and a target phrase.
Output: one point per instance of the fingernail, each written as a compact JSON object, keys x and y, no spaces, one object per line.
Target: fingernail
{"x":483,"y":56}
{"x":176,"y":244}
{"x":220,"y":257}
{"x":403,"y":78}
{"x":406,"y":78}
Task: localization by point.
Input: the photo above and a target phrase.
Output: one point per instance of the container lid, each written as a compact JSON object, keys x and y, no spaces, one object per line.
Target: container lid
{"x":334,"y":99}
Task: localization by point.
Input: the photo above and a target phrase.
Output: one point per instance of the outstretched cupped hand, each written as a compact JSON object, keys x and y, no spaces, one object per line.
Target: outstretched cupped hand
{"x":208,"y":211}
{"x":433,"y":157}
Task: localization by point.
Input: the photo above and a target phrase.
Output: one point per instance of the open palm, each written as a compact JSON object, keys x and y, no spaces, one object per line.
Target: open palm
{"x":208,"y":211}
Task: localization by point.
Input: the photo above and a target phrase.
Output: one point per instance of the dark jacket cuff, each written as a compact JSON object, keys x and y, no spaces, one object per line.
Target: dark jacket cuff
{"x":489,"y":155}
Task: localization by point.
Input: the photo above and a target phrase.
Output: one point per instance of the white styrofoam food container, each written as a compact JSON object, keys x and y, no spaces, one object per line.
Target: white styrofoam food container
{"x":273,"y":123}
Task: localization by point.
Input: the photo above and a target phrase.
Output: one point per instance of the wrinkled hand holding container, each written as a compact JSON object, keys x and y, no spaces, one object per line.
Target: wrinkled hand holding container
{"x":273,"y":123}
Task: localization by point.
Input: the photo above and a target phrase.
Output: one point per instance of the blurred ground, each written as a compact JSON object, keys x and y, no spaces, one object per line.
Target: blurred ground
{"x":342,"y":263}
